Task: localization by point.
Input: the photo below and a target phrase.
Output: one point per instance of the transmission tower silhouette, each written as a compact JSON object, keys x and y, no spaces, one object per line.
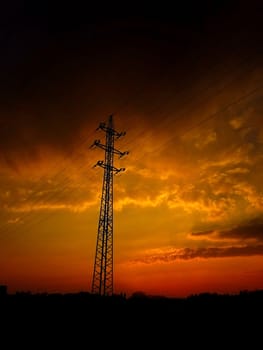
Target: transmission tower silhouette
{"x":102,"y":280}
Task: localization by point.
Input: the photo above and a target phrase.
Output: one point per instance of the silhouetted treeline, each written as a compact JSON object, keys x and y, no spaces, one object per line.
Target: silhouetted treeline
{"x":82,"y":316}
{"x":82,"y":300}
{"x":82,"y":304}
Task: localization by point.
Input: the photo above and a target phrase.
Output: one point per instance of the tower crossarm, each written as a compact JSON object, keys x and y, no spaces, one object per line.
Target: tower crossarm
{"x":97,"y":143}
{"x":103,"y":165}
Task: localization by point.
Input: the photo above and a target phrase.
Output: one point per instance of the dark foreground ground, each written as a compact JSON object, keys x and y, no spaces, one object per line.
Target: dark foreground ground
{"x":85,"y":321}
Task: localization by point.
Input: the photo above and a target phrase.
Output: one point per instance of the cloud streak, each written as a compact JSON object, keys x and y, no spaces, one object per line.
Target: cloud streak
{"x":171,"y":255}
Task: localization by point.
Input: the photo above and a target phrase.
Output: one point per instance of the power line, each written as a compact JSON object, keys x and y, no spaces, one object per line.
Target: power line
{"x":165,"y":122}
{"x":204,"y":120}
{"x":62,"y":171}
{"x":29,"y":215}
{"x":198,"y":124}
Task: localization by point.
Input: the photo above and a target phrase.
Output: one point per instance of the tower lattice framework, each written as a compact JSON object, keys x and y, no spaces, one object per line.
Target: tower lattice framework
{"x":102,"y":280}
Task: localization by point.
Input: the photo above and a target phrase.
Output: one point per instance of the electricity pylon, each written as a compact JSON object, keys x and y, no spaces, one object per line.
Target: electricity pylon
{"x":102,"y":280}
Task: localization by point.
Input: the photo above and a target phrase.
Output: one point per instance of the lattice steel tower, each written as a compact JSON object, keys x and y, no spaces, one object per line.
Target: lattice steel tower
{"x":102,"y":280}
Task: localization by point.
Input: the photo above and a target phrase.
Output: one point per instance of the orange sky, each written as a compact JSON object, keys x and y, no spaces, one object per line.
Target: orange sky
{"x":188,"y":210}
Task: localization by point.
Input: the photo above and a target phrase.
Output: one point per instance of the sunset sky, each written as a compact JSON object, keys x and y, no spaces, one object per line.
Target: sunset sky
{"x":187,"y":87}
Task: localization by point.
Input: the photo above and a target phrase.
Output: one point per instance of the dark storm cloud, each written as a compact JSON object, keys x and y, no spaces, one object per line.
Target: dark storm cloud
{"x":63,"y":69}
{"x":252,"y":229}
